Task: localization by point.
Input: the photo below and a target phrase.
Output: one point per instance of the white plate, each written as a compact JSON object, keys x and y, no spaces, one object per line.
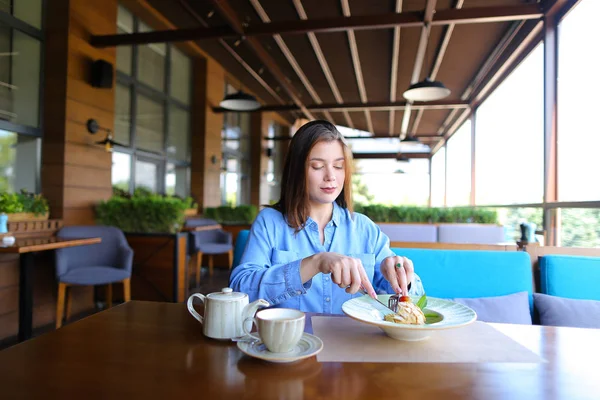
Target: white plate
{"x":453,"y":315}
{"x":308,"y":346}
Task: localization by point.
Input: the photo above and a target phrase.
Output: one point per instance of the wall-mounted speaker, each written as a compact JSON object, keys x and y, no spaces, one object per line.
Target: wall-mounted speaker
{"x":102,"y":74}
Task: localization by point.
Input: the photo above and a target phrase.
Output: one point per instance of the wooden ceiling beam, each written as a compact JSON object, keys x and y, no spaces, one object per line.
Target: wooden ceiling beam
{"x":371,"y":106}
{"x":233,"y":53}
{"x":419,"y":58}
{"x":314,"y":42}
{"x":394,"y":69}
{"x":439,"y":56}
{"x":357,"y":66}
{"x":320,"y":25}
{"x":290,"y":57}
{"x":226,"y":11}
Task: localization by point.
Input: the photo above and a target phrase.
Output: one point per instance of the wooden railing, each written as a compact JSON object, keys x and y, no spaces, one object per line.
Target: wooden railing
{"x":47,"y":227}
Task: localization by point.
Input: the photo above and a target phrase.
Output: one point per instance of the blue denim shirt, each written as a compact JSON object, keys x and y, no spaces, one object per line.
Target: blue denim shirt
{"x":270,"y":265}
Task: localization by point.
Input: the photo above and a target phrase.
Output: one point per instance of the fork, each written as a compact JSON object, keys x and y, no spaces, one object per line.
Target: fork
{"x":393,"y":302}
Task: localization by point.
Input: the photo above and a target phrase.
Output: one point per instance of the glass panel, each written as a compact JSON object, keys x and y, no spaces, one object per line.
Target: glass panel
{"x":438,"y":178}
{"x":19,"y":162}
{"x":511,"y":218}
{"x":150,"y":125}
{"x":579,"y":227}
{"x":578,"y":129}
{"x":179,"y":134}
{"x":510,"y":137}
{"x":122,"y":114}
{"x":29,"y":11}
{"x":151,"y":62}
{"x":181,"y":76}
{"x":177,"y":180}
{"x":121,"y":170}
{"x":146,"y":175}
{"x":458,"y":189}
{"x":124,"y":53}
{"x":19,"y":77}
{"x":383,"y":182}
{"x":236,"y":127}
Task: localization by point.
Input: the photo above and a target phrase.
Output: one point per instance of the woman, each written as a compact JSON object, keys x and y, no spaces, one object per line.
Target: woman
{"x":310,"y":251}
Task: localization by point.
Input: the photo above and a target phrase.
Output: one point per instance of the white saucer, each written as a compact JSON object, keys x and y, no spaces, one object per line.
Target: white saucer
{"x":308,"y":346}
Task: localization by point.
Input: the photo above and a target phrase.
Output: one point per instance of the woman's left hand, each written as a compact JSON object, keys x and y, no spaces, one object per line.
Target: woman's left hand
{"x":399,"y":272}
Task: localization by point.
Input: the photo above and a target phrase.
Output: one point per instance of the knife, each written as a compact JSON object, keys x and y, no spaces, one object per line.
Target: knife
{"x":379,"y":306}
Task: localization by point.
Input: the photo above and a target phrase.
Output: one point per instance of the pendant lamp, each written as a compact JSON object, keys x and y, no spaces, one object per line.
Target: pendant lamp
{"x":426,"y":90}
{"x":240,"y":101}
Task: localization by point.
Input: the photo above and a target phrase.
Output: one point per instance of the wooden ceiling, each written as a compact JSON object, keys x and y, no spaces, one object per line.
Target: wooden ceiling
{"x":349,"y":61}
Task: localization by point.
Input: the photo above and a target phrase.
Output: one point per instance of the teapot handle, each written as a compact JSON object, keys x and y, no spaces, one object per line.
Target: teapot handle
{"x":190,"y":306}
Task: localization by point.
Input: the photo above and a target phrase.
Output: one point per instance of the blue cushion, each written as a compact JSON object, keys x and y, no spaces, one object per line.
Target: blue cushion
{"x":94,"y":275}
{"x":559,"y":311}
{"x":574,"y":277}
{"x":509,"y":309}
{"x":240,"y":246}
{"x":472,"y":273}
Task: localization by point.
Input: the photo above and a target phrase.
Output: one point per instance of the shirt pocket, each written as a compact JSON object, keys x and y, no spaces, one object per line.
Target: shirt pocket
{"x":283,"y":256}
{"x":368,"y":262}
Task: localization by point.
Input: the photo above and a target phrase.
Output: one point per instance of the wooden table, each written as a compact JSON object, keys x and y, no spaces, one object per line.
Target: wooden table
{"x":26,"y":247}
{"x":157,"y":350}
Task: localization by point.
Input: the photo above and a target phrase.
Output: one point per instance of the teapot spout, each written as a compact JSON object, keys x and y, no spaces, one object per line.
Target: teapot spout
{"x":249,"y":311}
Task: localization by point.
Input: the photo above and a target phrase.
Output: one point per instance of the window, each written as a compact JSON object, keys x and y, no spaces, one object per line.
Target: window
{"x":20,"y":56}
{"x":578,"y":129}
{"x":235,"y":175}
{"x":20,"y":67}
{"x":381,"y":181}
{"x":28,"y":11}
{"x":152,"y":118}
{"x":19,"y":162}
{"x":458,"y":155}
{"x":438,"y":178}
{"x":121,"y":171}
{"x":509,"y":139}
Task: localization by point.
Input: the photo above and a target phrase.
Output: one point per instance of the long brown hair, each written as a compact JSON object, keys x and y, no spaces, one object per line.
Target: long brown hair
{"x":294,"y":202}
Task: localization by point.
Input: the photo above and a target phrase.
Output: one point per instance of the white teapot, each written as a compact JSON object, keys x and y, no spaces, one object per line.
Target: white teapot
{"x":225,"y":312}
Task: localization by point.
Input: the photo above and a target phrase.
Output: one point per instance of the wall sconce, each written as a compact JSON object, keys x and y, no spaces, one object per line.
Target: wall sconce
{"x":108,"y":142}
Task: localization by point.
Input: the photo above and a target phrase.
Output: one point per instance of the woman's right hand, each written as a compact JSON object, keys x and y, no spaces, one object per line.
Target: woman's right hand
{"x":346,"y":272}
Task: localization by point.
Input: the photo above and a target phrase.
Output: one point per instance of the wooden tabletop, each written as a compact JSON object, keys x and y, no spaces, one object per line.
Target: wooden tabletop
{"x":26,"y":245}
{"x":157,"y":350}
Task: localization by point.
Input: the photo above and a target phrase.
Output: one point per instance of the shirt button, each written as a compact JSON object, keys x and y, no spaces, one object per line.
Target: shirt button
{"x":299,"y":292}
{"x":326,"y":279}
{"x":327,"y":299}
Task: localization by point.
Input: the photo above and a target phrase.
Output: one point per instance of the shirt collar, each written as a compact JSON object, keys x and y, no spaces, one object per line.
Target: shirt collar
{"x":335,"y":217}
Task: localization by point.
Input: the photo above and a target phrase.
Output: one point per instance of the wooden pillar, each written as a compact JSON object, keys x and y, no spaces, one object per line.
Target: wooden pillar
{"x":209,"y":84}
{"x":76,"y":173}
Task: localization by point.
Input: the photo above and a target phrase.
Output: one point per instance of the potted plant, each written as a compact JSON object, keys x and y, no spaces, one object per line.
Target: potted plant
{"x":24,"y":206}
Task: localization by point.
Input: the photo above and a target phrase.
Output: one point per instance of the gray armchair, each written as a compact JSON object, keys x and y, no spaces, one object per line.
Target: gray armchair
{"x":104,"y":263}
{"x":209,"y":239}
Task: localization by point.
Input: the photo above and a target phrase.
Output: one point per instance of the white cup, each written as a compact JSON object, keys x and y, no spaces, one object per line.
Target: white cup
{"x":280,"y":329}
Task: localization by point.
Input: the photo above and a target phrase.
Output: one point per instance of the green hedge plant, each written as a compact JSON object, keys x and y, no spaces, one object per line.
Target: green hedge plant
{"x":411,"y":214}
{"x":143,"y":213}
{"x":240,"y":215}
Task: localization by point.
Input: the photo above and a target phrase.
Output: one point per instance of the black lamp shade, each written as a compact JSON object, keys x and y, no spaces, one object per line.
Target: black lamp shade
{"x":240,"y":101}
{"x":426,"y":90}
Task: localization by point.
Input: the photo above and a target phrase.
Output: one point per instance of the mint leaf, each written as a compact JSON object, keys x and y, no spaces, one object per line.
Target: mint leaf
{"x":422,"y":303}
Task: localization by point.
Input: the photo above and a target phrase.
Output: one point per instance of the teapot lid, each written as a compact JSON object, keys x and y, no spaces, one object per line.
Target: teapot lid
{"x":227,"y":294}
